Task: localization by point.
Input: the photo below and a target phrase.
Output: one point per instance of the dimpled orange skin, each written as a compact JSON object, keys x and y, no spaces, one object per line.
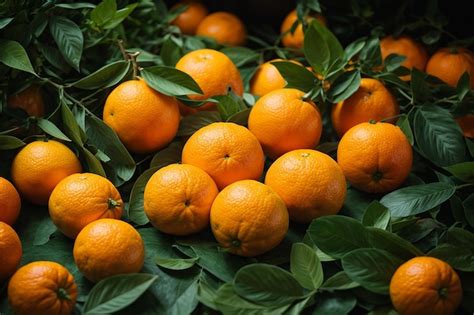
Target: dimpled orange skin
{"x":42,"y":288}
{"x":80,"y":199}
{"x":144,"y":119}
{"x":372,"y":101}
{"x":425,"y":286}
{"x":108,"y":247}
{"x":10,"y":203}
{"x":178,"y":199}
{"x":226,"y":28}
{"x":10,"y":251}
{"x":295,"y":40}
{"x":282,"y":121}
{"x":40,"y":166}
{"x":375,"y":158}
{"x":30,"y":100}
{"x":467,"y":125}
{"x":318,"y":186}
{"x":226,"y":151}
{"x":449,"y":64}
{"x":248,"y":218}
{"x":268,"y":78}
{"x":188,"y":21}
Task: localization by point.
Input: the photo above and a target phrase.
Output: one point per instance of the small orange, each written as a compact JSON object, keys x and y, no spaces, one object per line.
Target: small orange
{"x":375,"y":157}
{"x":40,"y":166}
{"x":372,"y":101}
{"x":108,"y":247}
{"x":248,"y":218}
{"x":318,"y":186}
{"x":226,"y":28}
{"x":449,"y":64}
{"x":144,"y":119}
{"x":296,"y":39}
{"x":42,"y":288}
{"x":283,"y":120}
{"x":467,"y":125}
{"x":188,"y":20}
{"x":10,"y":251}
{"x":80,"y":199}
{"x":178,"y":199}
{"x":10,"y":203}
{"x":30,"y":100}
{"x":226,"y":151}
{"x":268,"y":78}
{"x":425,"y":286}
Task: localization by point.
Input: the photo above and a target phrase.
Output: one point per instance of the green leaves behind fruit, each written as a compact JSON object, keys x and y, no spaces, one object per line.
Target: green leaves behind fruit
{"x":229,"y":105}
{"x":306,"y":267}
{"x":192,"y":123}
{"x":170,"y":81}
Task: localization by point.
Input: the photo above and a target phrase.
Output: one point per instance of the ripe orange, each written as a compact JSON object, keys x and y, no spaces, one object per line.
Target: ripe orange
{"x":318,"y":186}
{"x":283,"y":120}
{"x":296,"y":39}
{"x":226,"y":28}
{"x":449,"y":64}
{"x":42,"y":288}
{"x":10,"y":251}
{"x":188,"y":21}
{"x":144,"y":119}
{"x":372,"y":101}
{"x":10,"y":203}
{"x":30,"y":100}
{"x":268,"y":78}
{"x":107,"y":247}
{"x":248,"y":218}
{"x":375,"y":157}
{"x":178,"y":199}
{"x":425,"y":286}
{"x":467,"y":125}
{"x":40,"y":166}
{"x":80,"y":199}
{"x":226,"y":151}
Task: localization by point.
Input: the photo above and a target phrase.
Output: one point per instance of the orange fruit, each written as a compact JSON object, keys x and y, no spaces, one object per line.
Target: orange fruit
{"x":178,"y":199}
{"x":10,"y":251}
{"x":375,"y":157}
{"x":467,"y":125}
{"x":40,"y":166}
{"x":80,"y":199}
{"x":10,"y":203}
{"x":248,"y":218}
{"x":42,"y":288}
{"x":108,"y":247}
{"x":188,"y":20}
{"x":226,"y":28}
{"x":144,"y":119}
{"x":267,"y":78}
{"x":226,"y":151}
{"x":30,"y":100}
{"x":425,"y":286}
{"x":449,"y":64}
{"x":283,"y":120}
{"x":372,"y":101}
{"x":318,"y":186}
{"x":295,"y":39}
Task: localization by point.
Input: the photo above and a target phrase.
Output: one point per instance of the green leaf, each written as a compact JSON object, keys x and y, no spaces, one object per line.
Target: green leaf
{"x":460,"y":258}
{"x":4,"y":22}
{"x":136,"y":212}
{"x":71,"y":127}
{"x":393,"y":61}
{"x":316,"y":49}
{"x":370,"y":55}
{"x":169,"y":155}
{"x":419,"y":88}
{"x":344,"y":86}
{"x":170,"y":81}
{"x":336,"y":52}
{"x":10,"y":142}
{"x":229,"y":105}
{"x":170,"y":52}
{"x":240,"y":55}
{"x":296,"y":76}
{"x":463,"y":171}
{"x":105,"y":77}
{"x":192,"y":123}
{"x":176,"y":263}
{"x":69,"y":38}
{"x":376,"y":215}
{"x":336,"y":303}
{"x":306,"y":267}
{"x":119,"y":16}
{"x":93,"y":163}
{"x":51,"y":129}
{"x":13,"y":55}
{"x":404,"y":123}
{"x":75,"y":6}
{"x":339,"y":281}
{"x":240,"y":118}
{"x":354,"y":48}
{"x":104,"y":12}
{"x":43,"y":232}
{"x":468,"y":205}
{"x":463,"y":86}
{"x":392,"y":243}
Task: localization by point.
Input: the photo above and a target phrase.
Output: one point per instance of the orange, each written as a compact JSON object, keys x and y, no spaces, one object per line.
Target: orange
{"x":372,"y":101}
{"x":226,"y":28}
{"x":30,"y":100}
{"x":10,"y":203}
{"x":317,"y":188}
{"x":40,"y":166}
{"x":295,"y":39}
{"x":42,"y":288}
{"x":375,"y":157}
{"x":449,"y":64}
{"x":283,"y":120}
{"x":188,"y":21}
{"x":80,"y":199}
{"x":144,"y":119}
{"x":425,"y":286}
{"x":226,"y":151}
{"x":268,"y":78}
{"x":10,"y":251}
{"x":467,"y":125}
{"x":248,"y":218}
{"x":108,"y":247}
{"x":178,"y":199}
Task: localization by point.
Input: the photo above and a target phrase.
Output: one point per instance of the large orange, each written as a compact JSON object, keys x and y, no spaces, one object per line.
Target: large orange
{"x":226,"y":151}
{"x":108,"y":247}
{"x":10,"y":203}
{"x":283,"y":120}
{"x":449,"y":64}
{"x":188,"y":21}
{"x":40,"y":166}
{"x":10,"y":251}
{"x":42,"y":288}
{"x":248,"y":218}
{"x":372,"y":101}
{"x":467,"y":125}
{"x":318,"y":186}
{"x":268,"y":78}
{"x":30,"y":100}
{"x":375,"y":157}
{"x":178,"y":199}
{"x":295,"y":39}
{"x":144,"y":119}
{"x":226,"y":28}
{"x":80,"y":199}
{"x":425,"y":286}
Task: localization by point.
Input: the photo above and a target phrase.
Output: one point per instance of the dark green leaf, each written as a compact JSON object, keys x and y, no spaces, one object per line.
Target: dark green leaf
{"x":458,"y":257}
{"x":306,"y":267}
{"x":10,"y":142}
{"x":337,"y":303}
{"x":4,"y":22}
{"x":392,"y":243}
{"x":43,"y":232}
{"x":192,"y":123}
{"x":393,"y":62}
{"x":170,"y":52}
{"x":170,"y":81}
{"x":419,"y":88}
{"x":404,"y":123}
{"x":119,"y":16}
{"x":93,"y":163}
{"x":463,"y":171}
{"x":13,"y":55}
{"x":316,"y":49}
{"x":240,"y":118}
{"x":104,"y":12}
{"x":71,"y":128}
{"x":344,"y":86}
{"x":339,"y":281}
{"x":354,"y":48}
{"x":169,"y":155}
{"x":463,"y":86}
{"x":376,"y":215}
{"x":296,"y":76}
{"x":370,"y":55}
{"x":468,"y":205}
{"x":176,"y":263}
{"x":136,"y":212}
{"x":229,"y":105}
{"x":241,"y":55}
{"x":51,"y":129}
{"x":107,"y":76}
{"x":74,"y":6}
{"x":69,"y":38}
